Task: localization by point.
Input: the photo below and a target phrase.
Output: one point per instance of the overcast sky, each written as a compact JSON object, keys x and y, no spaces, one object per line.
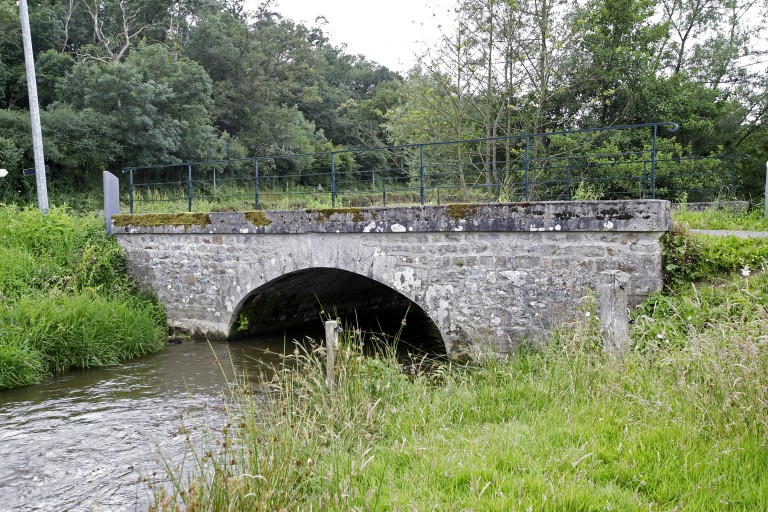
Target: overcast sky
{"x":388,"y":32}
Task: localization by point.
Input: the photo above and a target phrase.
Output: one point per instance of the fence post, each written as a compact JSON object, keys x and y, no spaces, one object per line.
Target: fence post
{"x":527,"y":163}
{"x":130,"y":189}
{"x":645,"y":179}
{"x":421,"y":174}
{"x":653,"y":164}
{"x":614,"y":321}
{"x":331,"y":344}
{"x":383,"y":192}
{"x":256,"y":180}
{"x":333,"y":180}
{"x":497,"y":172}
{"x":189,"y":187}
{"x":733,"y":177}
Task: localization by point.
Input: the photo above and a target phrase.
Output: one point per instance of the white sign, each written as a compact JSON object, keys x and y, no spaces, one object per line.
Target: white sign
{"x":3,"y":173}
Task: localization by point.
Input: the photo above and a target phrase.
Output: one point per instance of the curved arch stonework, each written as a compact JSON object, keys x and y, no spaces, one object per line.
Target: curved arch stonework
{"x":316,"y":254}
{"x":487,"y":274}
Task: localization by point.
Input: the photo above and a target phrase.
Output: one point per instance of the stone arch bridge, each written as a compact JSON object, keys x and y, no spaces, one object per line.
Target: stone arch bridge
{"x":490,"y":274}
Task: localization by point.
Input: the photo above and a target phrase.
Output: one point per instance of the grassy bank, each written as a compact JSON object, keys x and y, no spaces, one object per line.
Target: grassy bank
{"x":65,"y":299}
{"x":679,"y":424}
{"x":713,"y":218}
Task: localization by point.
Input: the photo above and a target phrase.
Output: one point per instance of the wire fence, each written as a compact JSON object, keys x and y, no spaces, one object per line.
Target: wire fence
{"x":619,"y":162}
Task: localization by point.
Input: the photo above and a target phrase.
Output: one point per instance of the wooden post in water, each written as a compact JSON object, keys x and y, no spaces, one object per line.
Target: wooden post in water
{"x":331,"y":344}
{"x":614,"y":320}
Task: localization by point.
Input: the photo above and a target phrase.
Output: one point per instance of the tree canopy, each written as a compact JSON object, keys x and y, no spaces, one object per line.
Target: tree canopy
{"x":133,"y":82}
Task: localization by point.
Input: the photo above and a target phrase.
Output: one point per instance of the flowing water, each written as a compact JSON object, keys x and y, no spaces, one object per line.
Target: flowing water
{"x":95,"y":439}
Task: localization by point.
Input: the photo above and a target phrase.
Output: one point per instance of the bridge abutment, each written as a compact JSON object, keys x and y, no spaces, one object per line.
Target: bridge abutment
{"x":487,"y":275}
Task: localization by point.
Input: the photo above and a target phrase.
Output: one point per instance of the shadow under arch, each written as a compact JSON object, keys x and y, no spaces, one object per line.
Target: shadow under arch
{"x":299,"y":301}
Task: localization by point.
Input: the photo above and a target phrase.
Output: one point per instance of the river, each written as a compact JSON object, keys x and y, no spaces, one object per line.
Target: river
{"x":94,"y":439}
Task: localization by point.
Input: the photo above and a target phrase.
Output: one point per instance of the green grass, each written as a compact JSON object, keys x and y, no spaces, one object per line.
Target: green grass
{"x":713,"y":218}
{"x":681,"y":423}
{"x":66,"y":299}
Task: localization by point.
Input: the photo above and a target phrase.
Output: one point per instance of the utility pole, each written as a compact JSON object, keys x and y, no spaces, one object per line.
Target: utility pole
{"x":34,"y":110}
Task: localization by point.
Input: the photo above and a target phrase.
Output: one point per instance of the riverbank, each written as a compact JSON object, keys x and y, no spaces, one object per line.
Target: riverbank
{"x":680,"y":423}
{"x":66,"y":299}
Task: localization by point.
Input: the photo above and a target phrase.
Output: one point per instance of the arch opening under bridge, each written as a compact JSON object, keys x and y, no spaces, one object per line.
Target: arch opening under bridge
{"x":298,"y":302}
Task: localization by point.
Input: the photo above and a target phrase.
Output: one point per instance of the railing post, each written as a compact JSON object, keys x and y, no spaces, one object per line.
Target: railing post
{"x":189,"y":187}
{"x":333,"y":180}
{"x":653,"y":164}
{"x":383,"y":192}
{"x":421,"y":174}
{"x":527,"y":163}
{"x":733,"y":177}
{"x":130,"y":189}
{"x":497,"y":173}
{"x":645,"y":179}
{"x":568,"y":188}
{"x":256,"y":181}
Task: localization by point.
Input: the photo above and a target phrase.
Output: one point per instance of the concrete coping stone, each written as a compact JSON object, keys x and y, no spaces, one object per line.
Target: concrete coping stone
{"x":550,"y":216}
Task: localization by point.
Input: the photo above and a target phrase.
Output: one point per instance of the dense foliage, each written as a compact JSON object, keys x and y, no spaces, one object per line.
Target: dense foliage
{"x":146,"y":82}
{"x":154,"y":81}
{"x":65,"y":299}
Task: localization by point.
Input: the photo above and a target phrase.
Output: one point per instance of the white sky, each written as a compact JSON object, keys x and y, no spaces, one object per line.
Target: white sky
{"x":389,"y":32}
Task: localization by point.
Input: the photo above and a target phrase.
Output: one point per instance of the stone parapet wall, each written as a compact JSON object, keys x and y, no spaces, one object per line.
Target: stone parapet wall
{"x":487,"y":274}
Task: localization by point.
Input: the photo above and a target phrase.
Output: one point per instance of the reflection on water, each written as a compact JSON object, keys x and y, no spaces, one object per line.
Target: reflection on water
{"x":84,"y":440}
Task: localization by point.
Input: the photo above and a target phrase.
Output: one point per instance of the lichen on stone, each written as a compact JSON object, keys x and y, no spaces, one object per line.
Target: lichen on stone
{"x":153,"y":220}
{"x":258,"y":218}
{"x":326,"y":213}
{"x":460,"y":211}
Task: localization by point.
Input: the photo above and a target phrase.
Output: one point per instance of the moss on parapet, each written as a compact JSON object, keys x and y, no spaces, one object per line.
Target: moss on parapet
{"x":460,"y":211}
{"x":326,"y":213}
{"x":258,"y":218}
{"x":155,"y":220}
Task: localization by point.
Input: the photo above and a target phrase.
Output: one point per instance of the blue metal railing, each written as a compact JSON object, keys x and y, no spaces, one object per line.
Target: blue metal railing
{"x":561,"y":165}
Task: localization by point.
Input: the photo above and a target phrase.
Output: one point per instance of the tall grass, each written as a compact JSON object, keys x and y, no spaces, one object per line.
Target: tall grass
{"x":673,"y":426}
{"x":66,"y":299}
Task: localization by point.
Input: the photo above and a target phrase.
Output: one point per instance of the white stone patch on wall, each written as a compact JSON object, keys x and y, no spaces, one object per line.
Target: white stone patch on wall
{"x":517,"y":277}
{"x":406,"y":281}
{"x":397,"y":228}
{"x":439,"y":305}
